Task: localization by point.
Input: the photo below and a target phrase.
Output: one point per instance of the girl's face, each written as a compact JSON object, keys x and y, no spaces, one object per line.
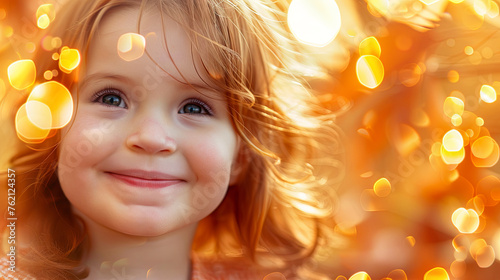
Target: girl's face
{"x":146,"y":154}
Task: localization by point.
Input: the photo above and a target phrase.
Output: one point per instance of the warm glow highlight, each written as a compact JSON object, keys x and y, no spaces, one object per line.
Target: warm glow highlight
{"x":479,"y":121}
{"x":26,"y":130}
{"x":468,"y":50}
{"x":131,"y":46}
{"x":485,"y":256}
{"x":456,"y":120}
{"x":483,"y":147}
{"x":488,"y":94}
{"x":453,"y":141}
{"x":482,"y":6}
{"x":46,"y":9}
{"x":477,"y":204}
{"x":382,"y":187}
{"x":494,"y":10}
{"x":465,"y":220}
{"x":45,"y":14}
{"x":22,"y":74}
{"x":485,"y":152}
{"x":437,"y":273}
{"x":314,"y":22}
{"x":69,"y":59}
{"x":39,"y":114}
{"x":360,"y":276}
{"x":370,"y":71}
{"x":455,"y":157}
{"x":453,"y":106}
{"x":370,"y":46}
{"x":48,"y":75}
{"x":43,"y":21}
{"x":58,"y":98}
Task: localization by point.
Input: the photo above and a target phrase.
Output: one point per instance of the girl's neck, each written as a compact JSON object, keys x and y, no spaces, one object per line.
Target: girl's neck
{"x":116,"y":255}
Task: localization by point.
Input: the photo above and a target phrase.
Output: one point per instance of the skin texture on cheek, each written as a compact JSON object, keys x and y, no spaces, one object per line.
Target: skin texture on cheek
{"x":214,"y":169}
{"x":86,"y":137}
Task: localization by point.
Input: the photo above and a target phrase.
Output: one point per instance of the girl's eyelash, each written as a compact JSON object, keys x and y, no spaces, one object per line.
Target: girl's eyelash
{"x":108,"y":90}
{"x":201,"y":103}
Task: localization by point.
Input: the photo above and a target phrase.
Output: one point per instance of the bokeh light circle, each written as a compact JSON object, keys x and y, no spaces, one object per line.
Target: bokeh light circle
{"x":314,"y":22}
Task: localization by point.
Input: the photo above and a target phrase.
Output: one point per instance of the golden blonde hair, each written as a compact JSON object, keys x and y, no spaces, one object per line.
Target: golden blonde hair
{"x":280,"y":211}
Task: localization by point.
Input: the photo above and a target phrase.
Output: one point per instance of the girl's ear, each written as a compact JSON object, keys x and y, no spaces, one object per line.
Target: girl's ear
{"x":240,"y":163}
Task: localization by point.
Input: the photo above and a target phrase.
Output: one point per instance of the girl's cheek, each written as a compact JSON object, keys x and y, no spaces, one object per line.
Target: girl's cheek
{"x":82,"y":139}
{"x":212,"y":156}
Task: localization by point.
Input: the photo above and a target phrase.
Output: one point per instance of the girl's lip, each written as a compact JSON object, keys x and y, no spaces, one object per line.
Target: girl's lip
{"x":145,"y":179}
{"x":144,"y":174}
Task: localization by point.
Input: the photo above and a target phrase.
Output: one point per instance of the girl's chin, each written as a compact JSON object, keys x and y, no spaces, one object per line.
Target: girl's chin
{"x":149,"y":229}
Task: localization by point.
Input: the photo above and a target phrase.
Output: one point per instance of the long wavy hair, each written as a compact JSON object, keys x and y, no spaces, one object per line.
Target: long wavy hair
{"x":279,"y":214}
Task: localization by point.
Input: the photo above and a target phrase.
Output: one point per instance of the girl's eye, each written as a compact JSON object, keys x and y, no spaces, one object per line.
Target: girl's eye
{"x":195,"y":107}
{"x":192,"y":109}
{"x":110,"y":97}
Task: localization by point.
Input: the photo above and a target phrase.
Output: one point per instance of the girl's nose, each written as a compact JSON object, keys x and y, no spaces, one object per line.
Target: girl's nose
{"x":151,"y":137}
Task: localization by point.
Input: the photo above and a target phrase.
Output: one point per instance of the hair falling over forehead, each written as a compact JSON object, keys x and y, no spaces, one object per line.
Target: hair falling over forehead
{"x":281,"y":209}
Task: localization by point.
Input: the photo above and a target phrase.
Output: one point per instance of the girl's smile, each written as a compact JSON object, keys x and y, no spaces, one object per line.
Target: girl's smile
{"x":145,"y":179}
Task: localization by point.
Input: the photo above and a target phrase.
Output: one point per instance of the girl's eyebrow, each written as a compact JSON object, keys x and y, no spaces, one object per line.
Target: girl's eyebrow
{"x":102,"y":76}
{"x":189,"y":85}
{"x":185,"y":86}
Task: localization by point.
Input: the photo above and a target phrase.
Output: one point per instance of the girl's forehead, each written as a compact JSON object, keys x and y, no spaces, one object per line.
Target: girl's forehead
{"x":168,"y":51}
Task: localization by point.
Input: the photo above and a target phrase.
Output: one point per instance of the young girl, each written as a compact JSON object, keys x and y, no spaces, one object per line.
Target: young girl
{"x":204,"y":158}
